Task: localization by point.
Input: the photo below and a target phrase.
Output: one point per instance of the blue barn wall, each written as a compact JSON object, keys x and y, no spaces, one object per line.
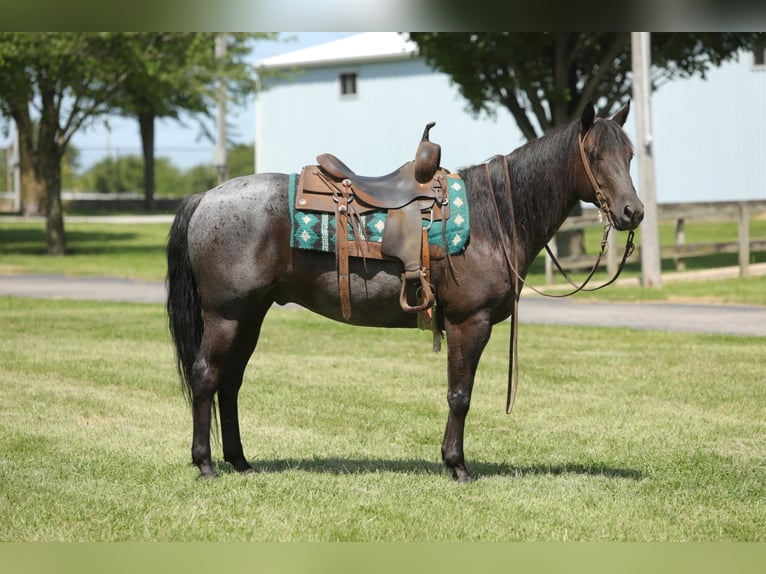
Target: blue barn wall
{"x":709,"y":135}
{"x":377,"y":129}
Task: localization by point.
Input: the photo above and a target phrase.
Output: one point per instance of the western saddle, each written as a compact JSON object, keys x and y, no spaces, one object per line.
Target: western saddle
{"x":415,"y":192}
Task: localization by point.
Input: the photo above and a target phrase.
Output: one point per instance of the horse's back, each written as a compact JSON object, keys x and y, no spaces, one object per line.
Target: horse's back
{"x":239,"y":236}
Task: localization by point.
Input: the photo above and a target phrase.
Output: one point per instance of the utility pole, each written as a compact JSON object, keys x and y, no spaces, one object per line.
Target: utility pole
{"x":257,"y":156}
{"x":220,"y":160}
{"x":650,"y":235}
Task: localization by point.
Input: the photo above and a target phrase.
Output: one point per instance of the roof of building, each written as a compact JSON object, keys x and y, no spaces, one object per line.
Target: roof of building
{"x":368,"y":46}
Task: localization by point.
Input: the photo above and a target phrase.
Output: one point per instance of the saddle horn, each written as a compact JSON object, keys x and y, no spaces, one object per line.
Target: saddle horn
{"x":427,"y":157}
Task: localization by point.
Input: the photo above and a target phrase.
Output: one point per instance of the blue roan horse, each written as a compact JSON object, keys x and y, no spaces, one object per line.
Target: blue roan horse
{"x":230,"y":260}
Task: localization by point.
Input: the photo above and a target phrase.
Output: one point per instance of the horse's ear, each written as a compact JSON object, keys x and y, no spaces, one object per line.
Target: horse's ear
{"x":622,"y":114}
{"x":588,"y":115}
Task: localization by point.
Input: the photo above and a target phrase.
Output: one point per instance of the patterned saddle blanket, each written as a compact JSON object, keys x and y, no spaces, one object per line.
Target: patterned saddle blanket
{"x":316,"y":230}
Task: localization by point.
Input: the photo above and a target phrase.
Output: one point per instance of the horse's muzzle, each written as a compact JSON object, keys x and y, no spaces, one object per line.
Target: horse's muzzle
{"x":630,"y":217}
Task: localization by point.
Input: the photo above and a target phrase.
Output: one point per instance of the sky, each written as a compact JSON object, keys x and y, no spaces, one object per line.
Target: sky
{"x":184,"y":144}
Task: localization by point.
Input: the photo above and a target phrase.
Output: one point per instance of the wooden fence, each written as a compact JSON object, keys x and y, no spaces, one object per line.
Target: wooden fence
{"x":679,"y":251}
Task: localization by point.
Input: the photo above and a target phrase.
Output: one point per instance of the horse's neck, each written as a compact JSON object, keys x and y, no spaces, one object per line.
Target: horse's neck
{"x":543,"y":187}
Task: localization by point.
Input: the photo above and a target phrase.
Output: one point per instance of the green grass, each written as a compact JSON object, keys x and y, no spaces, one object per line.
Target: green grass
{"x":617,"y":435}
{"x":105,"y":249}
{"x":737,"y":291}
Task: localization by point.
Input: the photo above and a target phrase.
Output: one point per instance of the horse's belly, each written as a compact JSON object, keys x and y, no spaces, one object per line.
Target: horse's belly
{"x":312,"y":282}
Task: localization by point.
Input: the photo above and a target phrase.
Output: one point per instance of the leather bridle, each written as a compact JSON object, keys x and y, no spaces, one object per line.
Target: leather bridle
{"x":516,"y":278}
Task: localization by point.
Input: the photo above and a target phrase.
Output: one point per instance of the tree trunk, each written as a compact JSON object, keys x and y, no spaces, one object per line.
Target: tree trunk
{"x":50,"y":166}
{"x":33,"y":201}
{"x":569,"y":243}
{"x":146,"y":125}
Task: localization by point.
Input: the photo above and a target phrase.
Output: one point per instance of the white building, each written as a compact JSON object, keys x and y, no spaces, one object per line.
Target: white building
{"x":366,"y":98}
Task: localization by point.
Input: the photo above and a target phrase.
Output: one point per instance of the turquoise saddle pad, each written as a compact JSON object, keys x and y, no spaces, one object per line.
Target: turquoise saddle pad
{"x":316,"y":230}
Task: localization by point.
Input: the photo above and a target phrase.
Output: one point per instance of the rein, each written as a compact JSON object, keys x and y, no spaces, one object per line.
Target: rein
{"x":513,"y":367}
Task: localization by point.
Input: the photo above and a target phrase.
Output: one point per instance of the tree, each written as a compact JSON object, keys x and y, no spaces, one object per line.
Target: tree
{"x":172,"y":73}
{"x":241,"y":160}
{"x":545,"y":79}
{"x":199,"y":178}
{"x":52,"y":84}
{"x":109,"y":175}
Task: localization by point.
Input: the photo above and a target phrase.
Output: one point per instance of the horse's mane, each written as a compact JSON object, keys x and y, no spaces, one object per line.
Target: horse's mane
{"x":541,"y":177}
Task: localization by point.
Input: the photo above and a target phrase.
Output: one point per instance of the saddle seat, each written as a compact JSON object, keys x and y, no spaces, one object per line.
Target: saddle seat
{"x":391,"y":191}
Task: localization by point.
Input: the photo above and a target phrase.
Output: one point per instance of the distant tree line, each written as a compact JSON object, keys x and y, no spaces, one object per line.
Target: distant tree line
{"x":125,"y":173}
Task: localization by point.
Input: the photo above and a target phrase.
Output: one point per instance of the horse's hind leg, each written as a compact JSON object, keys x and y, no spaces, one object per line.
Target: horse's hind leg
{"x":226,"y":347}
{"x":465,"y":342}
{"x":228,"y":391}
{"x":204,"y":384}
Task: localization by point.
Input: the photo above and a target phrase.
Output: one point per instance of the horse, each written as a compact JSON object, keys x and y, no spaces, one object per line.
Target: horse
{"x":230,"y":259}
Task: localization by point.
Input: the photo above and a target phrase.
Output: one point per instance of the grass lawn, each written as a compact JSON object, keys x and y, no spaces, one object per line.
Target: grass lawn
{"x":616,"y":435}
{"x":96,"y":249}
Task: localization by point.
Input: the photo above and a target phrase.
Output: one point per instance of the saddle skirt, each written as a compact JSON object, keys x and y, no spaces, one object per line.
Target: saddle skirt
{"x":314,"y":226}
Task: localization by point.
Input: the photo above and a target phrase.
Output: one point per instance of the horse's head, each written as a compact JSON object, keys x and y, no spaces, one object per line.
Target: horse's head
{"x":606,"y":152}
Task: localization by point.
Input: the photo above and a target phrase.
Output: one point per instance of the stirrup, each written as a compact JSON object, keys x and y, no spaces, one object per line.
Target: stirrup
{"x":428,"y":294}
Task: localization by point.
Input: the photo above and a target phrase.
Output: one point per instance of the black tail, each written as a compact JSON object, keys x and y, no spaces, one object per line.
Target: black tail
{"x":184,"y":306}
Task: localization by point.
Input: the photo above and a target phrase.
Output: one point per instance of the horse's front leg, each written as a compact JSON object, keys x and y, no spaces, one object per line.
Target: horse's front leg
{"x":465,"y":343}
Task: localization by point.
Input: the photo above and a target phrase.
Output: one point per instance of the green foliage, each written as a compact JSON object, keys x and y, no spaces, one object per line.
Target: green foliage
{"x":125,"y":174}
{"x":197,"y":179}
{"x":241,"y":160}
{"x":71,"y":72}
{"x":545,"y":79}
{"x":606,"y":442}
{"x":113,"y":176}
{"x":67,"y":78}
{"x":169,"y":72}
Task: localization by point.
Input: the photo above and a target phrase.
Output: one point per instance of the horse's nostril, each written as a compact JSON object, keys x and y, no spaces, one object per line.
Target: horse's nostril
{"x":633,"y":215}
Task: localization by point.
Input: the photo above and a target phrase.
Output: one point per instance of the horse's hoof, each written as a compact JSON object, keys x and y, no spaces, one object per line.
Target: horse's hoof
{"x":206,"y":472}
{"x":242,"y":466}
{"x":462,"y":476}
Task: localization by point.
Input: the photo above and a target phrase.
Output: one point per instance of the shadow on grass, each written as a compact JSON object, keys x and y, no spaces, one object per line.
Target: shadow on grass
{"x":28,"y":241}
{"x":479,"y":470}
